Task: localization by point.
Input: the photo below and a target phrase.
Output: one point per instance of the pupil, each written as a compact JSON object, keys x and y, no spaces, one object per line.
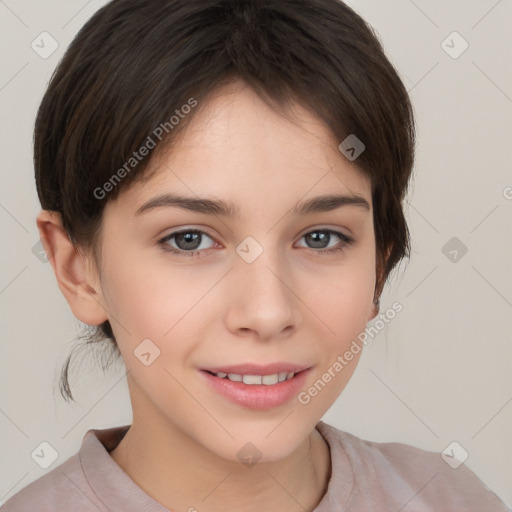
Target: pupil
{"x":190,"y":239}
{"x":318,"y":241}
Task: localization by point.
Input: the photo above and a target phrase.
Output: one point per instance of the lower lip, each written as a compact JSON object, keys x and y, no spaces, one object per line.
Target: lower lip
{"x":257,"y":396}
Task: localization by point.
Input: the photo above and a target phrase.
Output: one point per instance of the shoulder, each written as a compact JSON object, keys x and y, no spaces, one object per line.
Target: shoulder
{"x":63,"y":488}
{"x":407,"y":477}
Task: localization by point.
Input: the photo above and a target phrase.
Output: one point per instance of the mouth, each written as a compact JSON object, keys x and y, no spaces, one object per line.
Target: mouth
{"x":255,"y":380}
{"x":257,"y":387}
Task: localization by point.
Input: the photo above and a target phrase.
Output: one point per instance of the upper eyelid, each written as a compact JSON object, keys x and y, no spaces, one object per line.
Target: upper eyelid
{"x":186,"y":230}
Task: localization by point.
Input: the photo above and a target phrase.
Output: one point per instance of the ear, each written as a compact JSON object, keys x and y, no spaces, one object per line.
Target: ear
{"x":374,"y":311}
{"x":379,"y":284}
{"x":77,"y":277}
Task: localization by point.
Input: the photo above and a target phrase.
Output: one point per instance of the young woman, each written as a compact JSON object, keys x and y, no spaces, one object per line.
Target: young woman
{"x":221,"y":185}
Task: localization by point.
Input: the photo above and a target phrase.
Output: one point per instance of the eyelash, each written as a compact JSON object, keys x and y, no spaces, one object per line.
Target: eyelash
{"x":345,"y":242}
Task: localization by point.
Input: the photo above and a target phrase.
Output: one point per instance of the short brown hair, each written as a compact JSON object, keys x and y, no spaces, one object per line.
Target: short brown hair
{"x":135,"y":62}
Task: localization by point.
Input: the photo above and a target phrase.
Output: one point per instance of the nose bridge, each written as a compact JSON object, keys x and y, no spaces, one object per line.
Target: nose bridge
{"x":262,"y":300}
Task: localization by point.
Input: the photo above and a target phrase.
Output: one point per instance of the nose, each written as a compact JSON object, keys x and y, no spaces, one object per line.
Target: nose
{"x":261,"y":301}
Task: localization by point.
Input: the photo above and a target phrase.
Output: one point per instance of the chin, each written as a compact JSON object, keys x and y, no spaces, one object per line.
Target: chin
{"x":248,"y":449}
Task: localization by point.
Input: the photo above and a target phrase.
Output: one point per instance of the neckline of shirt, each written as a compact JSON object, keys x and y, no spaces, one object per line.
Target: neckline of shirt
{"x":117,"y":491}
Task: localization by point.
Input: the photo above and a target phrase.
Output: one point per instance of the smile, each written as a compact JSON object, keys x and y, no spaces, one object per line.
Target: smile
{"x":256,"y":391}
{"x":267,"y":380}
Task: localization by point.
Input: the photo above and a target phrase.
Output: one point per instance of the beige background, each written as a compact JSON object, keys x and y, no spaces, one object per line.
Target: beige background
{"x":439,"y":373}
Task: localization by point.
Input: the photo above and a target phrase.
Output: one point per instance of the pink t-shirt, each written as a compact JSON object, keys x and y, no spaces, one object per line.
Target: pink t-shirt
{"x":366,"y":476}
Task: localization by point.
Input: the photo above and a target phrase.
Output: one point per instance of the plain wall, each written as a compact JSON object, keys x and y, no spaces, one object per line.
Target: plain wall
{"x":440,"y":370}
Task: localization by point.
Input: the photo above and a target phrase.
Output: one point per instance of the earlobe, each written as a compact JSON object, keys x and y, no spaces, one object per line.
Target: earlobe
{"x":75,"y":277}
{"x":374,"y":310}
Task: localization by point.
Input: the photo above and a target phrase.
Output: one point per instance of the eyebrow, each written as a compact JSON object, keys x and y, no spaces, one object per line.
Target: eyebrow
{"x":318,"y":204}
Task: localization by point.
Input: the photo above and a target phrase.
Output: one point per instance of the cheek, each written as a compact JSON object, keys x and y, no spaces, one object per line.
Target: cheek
{"x":148,"y":297}
{"x":159,"y":301}
{"x":343,"y":296}
{"x":342,"y":304}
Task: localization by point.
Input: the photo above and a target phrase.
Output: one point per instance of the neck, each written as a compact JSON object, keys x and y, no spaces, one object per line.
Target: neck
{"x":182,"y":475}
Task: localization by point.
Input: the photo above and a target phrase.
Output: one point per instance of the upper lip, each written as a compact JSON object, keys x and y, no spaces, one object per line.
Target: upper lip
{"x":258,"y":369}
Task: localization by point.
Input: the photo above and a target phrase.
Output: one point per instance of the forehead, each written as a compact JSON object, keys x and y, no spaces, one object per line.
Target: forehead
{"x":238,"y":144}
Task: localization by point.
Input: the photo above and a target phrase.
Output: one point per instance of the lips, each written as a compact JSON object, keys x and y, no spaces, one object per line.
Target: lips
{"x":255,"y":386}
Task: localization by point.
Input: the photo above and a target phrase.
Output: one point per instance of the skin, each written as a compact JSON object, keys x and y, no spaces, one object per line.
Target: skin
{"x":291,"y":304}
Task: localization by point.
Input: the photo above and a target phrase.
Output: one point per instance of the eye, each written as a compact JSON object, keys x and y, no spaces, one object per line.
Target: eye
{"x":320,"y":239}
{"x":186,"y":242}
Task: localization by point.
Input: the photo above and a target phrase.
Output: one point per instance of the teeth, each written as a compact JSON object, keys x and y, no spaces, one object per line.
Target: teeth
{"x":267,"y":380}
{"x":252,"y":379}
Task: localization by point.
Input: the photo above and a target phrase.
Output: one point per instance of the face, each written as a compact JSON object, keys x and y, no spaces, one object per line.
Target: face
{"x":263,"y":285}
